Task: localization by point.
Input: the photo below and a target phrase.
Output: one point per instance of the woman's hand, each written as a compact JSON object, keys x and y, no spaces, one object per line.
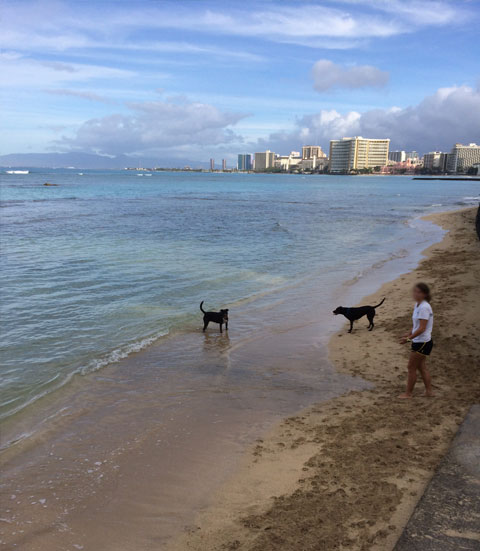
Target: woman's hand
{"x":405,"y":338}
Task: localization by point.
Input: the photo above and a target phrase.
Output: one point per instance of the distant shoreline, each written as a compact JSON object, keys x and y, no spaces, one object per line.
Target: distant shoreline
{"x":233,"y":171}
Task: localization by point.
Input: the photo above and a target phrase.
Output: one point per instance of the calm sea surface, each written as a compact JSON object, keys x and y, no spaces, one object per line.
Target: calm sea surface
{"x":105,"y":263}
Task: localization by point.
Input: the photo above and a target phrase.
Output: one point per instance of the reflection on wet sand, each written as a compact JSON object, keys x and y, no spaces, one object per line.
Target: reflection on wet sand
{"x":217,"y":342}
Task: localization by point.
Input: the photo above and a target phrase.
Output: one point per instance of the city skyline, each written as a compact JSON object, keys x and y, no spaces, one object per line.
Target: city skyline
{"x":193,"y":80}
{"x":357,"y":154}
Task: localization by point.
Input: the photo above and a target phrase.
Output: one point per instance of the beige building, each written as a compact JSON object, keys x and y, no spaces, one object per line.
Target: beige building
{"x":435,"y":161}
{"x":309,"y":152}
{"x":264,"y":161}
{"x":350,"y":154}
{"x":463,"y":157}
{"x":315,"y":164}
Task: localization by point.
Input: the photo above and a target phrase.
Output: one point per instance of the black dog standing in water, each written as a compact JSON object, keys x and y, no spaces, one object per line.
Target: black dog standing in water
{"x":354,"y":314}
{"x":217,"y":317}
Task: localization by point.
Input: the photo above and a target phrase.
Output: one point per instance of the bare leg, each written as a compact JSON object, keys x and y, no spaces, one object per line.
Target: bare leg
{"x":413,"y":365}
{"x":427,"y":379}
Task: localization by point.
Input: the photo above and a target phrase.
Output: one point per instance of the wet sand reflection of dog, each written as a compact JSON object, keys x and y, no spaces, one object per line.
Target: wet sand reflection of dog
{"x":216,"y":342}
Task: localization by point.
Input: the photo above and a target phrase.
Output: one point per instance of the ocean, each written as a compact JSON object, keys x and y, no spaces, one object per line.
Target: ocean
{"x":103,"y":264}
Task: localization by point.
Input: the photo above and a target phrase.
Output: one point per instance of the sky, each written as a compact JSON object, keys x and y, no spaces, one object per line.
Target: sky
{"x":197,"y":79}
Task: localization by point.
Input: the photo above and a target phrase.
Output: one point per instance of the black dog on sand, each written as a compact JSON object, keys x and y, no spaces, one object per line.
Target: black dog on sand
{"x":354,"y":314}
{"x":217,"y":317}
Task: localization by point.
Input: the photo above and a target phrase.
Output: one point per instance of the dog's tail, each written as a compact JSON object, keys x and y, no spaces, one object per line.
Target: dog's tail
{"x":379,"y":304}
{"x":201,"y":304}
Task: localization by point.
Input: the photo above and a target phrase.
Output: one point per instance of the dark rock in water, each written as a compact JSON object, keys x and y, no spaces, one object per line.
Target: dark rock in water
{"x":49,"y":184}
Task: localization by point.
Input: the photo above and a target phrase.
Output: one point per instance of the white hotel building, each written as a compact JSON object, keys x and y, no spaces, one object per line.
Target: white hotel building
{"x":350,"y":154}
{"x":463,"y":157}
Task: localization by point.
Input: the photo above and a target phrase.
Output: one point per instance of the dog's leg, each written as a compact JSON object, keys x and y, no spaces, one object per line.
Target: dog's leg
{"x":370,"y":319}
{"x":351,"y":326}
{"x":226,"y":326}
{"x":221,"y":325}
{"x":205,"y":325}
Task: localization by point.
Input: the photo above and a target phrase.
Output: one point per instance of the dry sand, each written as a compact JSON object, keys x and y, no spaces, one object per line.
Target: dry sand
{"x":346,"y":474}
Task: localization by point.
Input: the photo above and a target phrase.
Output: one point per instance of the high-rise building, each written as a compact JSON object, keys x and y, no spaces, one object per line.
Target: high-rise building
{"x":397,"y":156}
{"x":212,"y":164}
{"x":435,"y":161}
{"x":350,"y":154}
{"x":264,"y":161}
{"x":463,"y":157}
{"x":401,"y":156}
{"x":224,"y":165}
{"x":244,"y":162}
{"x":309,"y":152}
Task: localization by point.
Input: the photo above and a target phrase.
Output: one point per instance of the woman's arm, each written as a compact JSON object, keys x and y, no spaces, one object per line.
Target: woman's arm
{"x":419,"y":331}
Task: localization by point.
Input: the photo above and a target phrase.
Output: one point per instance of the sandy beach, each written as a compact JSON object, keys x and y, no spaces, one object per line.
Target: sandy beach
{"x":347,"y":473}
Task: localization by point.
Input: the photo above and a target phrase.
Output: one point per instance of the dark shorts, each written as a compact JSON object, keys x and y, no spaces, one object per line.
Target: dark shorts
{"x":423,"y":348}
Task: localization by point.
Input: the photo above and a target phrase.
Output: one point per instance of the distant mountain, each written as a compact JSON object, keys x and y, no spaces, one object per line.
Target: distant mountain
{"x":88,"y":160}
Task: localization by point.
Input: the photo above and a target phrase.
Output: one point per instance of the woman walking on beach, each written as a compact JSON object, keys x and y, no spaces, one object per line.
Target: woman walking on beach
{"x":421,"y":338}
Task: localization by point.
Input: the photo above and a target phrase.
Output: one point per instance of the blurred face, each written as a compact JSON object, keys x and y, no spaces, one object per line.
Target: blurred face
{"x":418,"y":296}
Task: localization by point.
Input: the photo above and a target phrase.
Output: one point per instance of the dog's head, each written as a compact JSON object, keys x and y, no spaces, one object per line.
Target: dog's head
{"x":338,"y":310}
{"x":224,"y":313}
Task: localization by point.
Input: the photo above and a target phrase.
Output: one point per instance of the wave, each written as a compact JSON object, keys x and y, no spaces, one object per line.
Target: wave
{"x":96,"y":364}
{"x":469,"y":200}
{"x":120,"y":353}
{"x":402,"y":253}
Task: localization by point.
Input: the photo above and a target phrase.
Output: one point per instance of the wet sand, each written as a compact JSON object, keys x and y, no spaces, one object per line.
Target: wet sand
{"x":346,"y":474}
{"x":130,"y":453}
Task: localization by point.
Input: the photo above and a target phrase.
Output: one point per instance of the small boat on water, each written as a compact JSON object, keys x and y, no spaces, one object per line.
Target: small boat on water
{"x":17,"y":171}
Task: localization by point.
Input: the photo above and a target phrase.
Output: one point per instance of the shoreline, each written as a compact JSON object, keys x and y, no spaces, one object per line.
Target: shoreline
{"x":347,"y":473}
{"x":128,"y":352}
{"x":153,"y":509}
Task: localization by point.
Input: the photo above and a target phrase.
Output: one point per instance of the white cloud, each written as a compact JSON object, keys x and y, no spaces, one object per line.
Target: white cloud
{"x":178,"y":127}
{"x":327,"y":25}
{"x":83,"y":94}
{"x":156,"y":127}
{"x":327,"y":74}
{"x":30,"y":73}
{"x":60,"y":26}
{"x":448,"y":116}
{"x":186,"y":48}
{"x":430,"y":12}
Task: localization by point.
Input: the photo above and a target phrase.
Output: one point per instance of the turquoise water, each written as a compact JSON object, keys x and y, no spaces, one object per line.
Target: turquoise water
{"x":105,"y":263}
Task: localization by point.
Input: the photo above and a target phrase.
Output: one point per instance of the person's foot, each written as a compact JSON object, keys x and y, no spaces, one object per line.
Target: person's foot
{"x":429,"y":394}
{"x":405,"y":396}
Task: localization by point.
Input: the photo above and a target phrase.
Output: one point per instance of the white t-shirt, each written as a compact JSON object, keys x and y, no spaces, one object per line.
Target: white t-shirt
{"x":422,"y":311}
